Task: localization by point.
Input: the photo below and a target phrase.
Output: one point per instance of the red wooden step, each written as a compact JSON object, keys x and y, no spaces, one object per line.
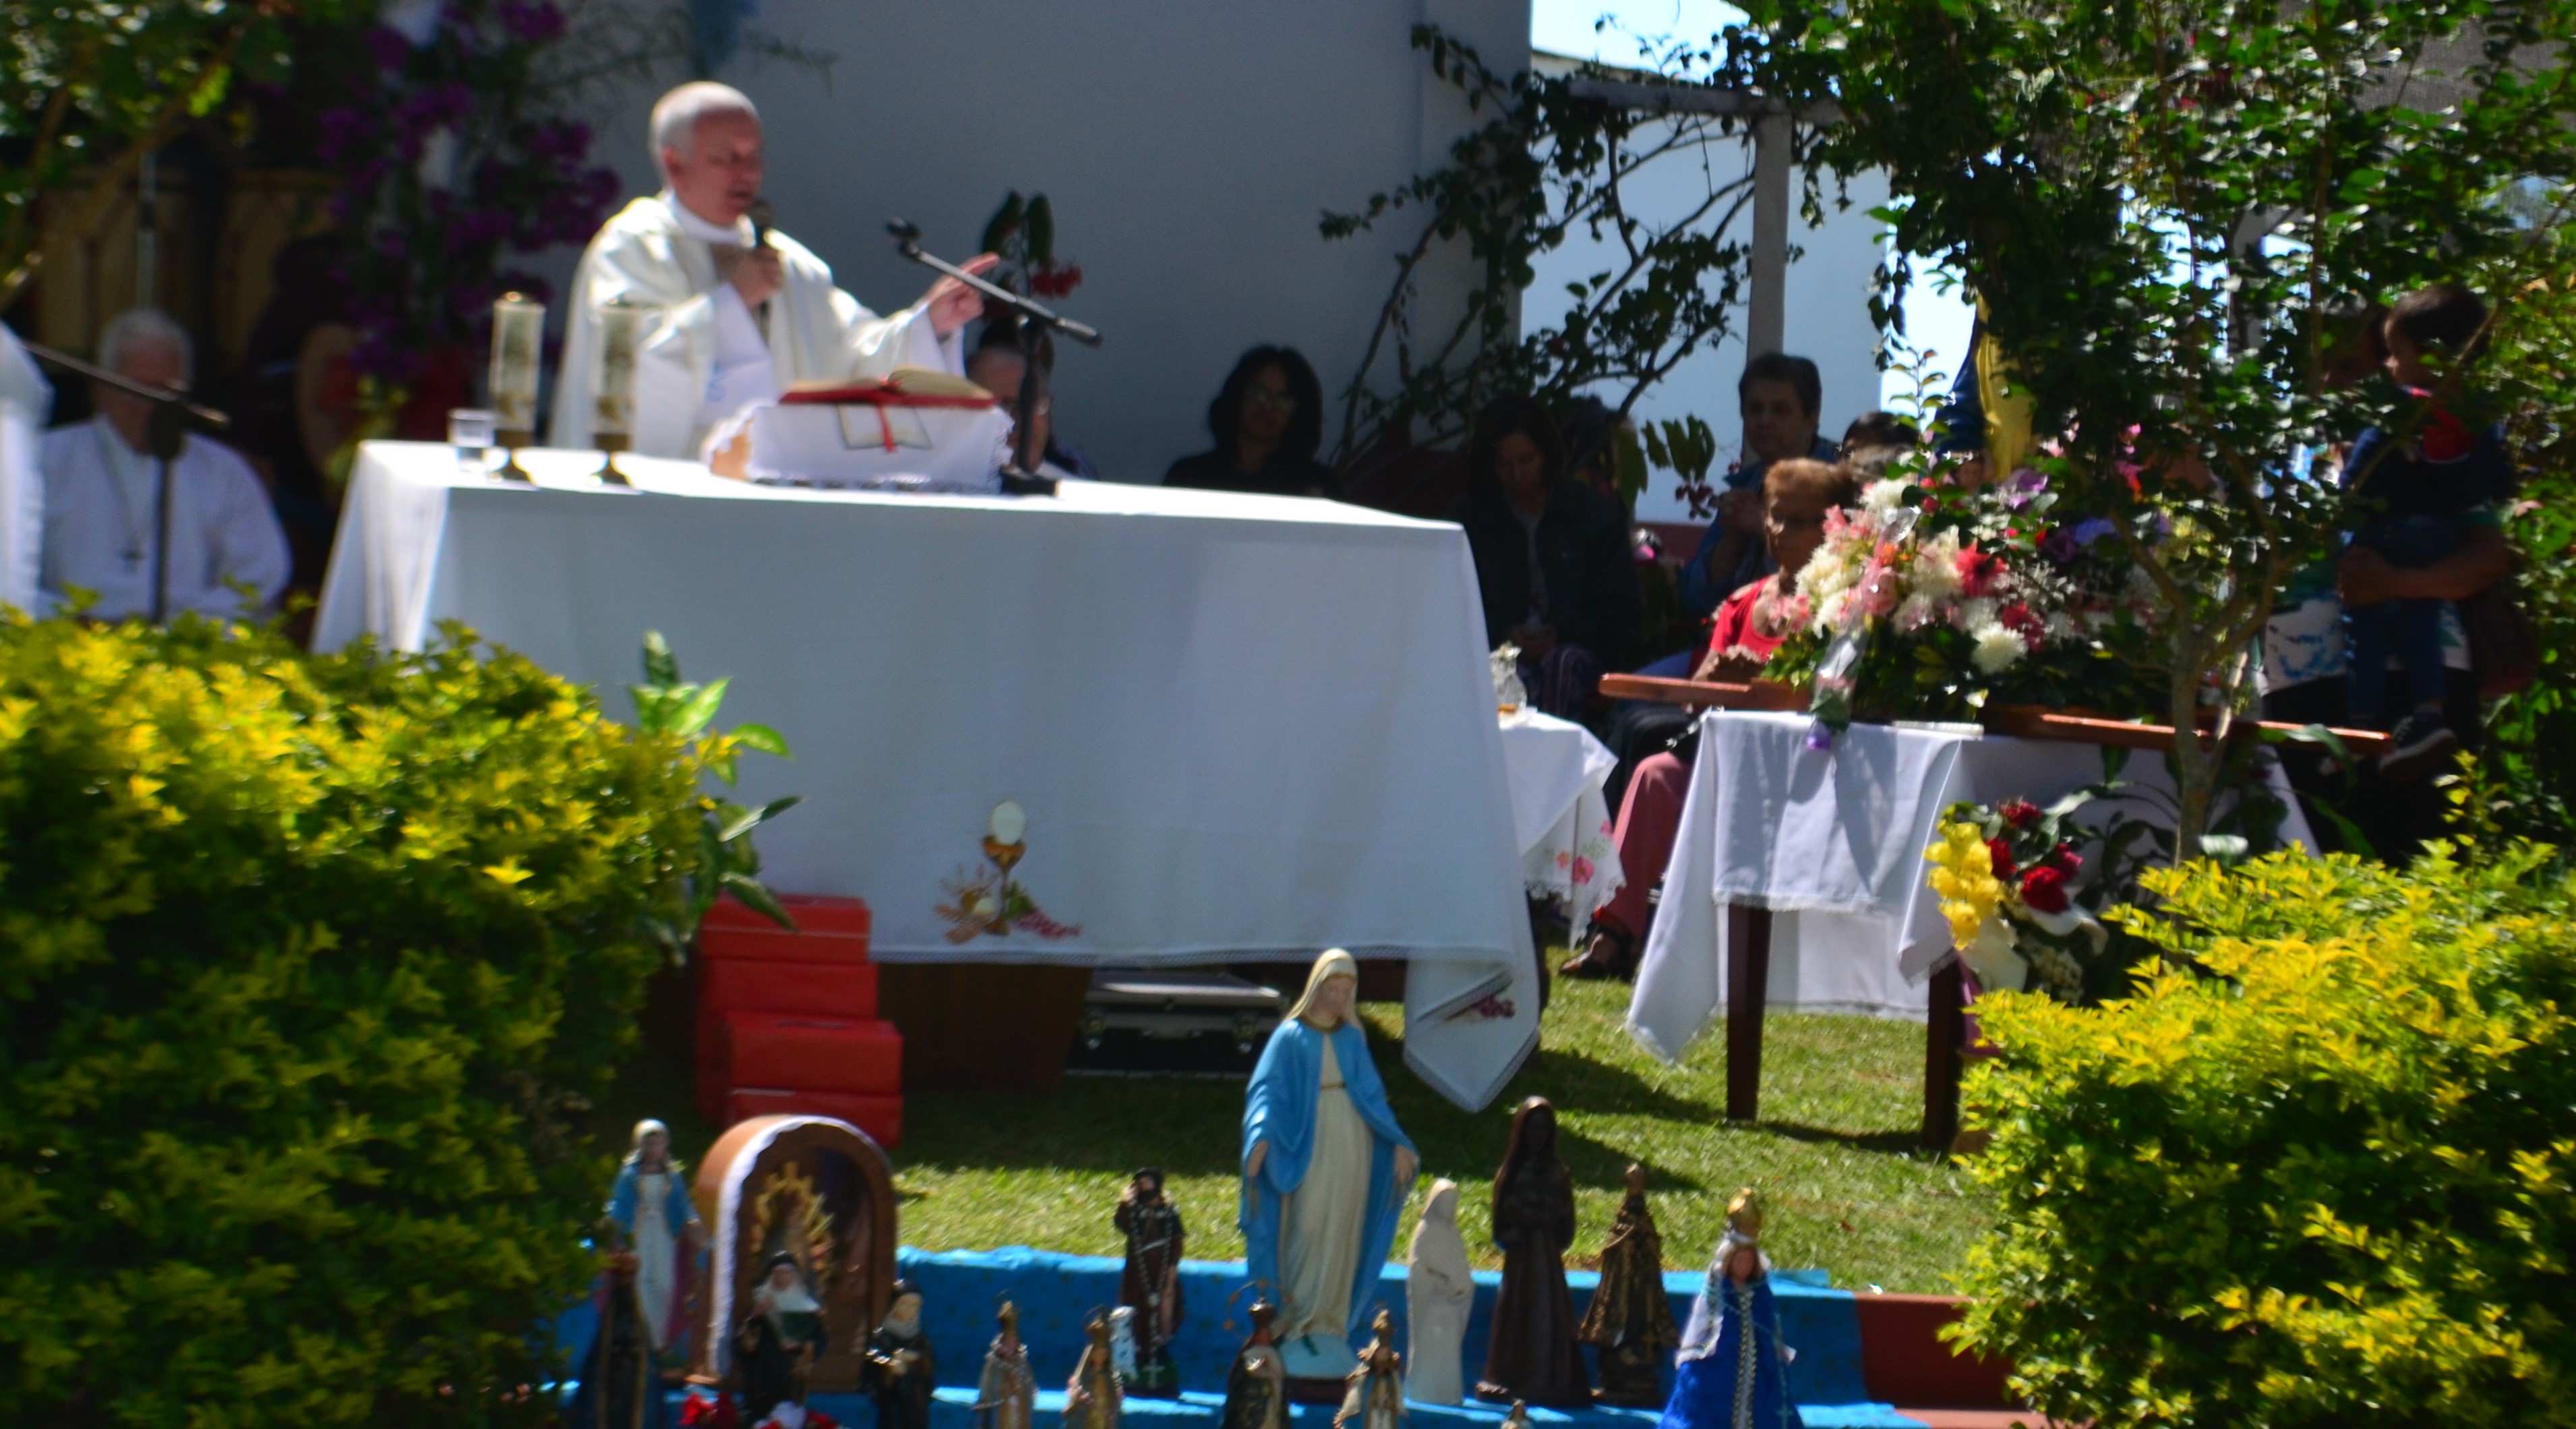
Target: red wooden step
{"x":809,"y":1053}
{"x":829,"y":930}
{"x":762,"y":985}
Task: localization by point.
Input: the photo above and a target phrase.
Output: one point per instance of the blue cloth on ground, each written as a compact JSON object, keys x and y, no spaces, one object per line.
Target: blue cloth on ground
{"x":1055,"y":1293}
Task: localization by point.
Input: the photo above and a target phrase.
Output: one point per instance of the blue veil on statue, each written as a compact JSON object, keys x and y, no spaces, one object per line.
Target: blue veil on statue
{"x":1732,"y":1372}
{"x":1325,"y":1173}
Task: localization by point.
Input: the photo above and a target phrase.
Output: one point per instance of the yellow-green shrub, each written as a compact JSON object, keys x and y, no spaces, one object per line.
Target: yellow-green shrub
{"x":304,"y":967}
{"x":2325,"y":1180}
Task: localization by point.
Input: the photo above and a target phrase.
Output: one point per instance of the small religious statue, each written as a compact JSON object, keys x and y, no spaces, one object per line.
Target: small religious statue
{"x":1150,"y":1284}
{"x":1092,"y":1399}
{"x":620,"y":1388}
{"x":779,"y":1339}
{"x":1375,"y":1399}
{"x":1008,"y":1390}
{"x":649,"y":1205}
{"x":1439,"y":1289}
{"x":1630,"y":1321}
{"x":901,"y":1368}
{"x":1256,"y":1388}
{"x":1733,"y":1372}
{"x":1326,"y":1171}
{"x":1532,"y":1355}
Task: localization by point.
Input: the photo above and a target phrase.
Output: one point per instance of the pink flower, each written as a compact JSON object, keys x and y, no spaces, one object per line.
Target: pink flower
{"x":1583,"y":870}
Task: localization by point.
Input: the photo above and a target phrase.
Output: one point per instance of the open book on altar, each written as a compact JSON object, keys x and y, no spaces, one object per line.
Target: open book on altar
{"x":911,"y":430}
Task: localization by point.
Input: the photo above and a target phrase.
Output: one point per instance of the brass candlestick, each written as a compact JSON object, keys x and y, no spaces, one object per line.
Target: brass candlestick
{"x":518,"y":343}
{"x":612,"y":420}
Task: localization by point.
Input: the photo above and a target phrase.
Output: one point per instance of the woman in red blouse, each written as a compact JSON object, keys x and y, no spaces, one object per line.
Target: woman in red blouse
{"x":1748,"y":626}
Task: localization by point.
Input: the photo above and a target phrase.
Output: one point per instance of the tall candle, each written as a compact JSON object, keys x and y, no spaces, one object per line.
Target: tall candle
{"x":620,"y":324}
{"x":518,"y":339}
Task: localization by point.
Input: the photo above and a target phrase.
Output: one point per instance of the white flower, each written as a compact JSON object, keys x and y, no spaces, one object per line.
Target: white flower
{"x":1997,"y":649}
{"x":1915,"y":612}
{"x":1974,"y":615}
{"x":2062,"y":626}
{"x":1935,"y":569}
{"x":1990,"y":955}
{"x":1884,"y":497}
{"x":1831,"y":610}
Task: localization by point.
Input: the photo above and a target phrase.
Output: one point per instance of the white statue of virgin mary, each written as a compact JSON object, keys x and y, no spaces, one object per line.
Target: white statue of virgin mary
{"x":1325,"y":1173}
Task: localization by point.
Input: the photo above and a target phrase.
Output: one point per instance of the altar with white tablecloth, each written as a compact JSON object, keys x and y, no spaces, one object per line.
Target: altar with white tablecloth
{"x":1216,"y":726}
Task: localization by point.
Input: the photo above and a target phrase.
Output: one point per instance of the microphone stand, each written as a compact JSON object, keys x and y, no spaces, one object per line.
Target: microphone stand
{"x":163,"y":438}
{"x":1021,"y":477}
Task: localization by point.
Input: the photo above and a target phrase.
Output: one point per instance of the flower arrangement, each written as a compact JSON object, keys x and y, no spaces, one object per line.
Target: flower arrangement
{"x":1930,"y":602}
{"x":2024,"y":897}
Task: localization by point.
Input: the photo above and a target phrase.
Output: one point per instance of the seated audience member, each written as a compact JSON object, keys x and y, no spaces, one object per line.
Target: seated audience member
{"x":1873,"y":431}
{"x":2425,"y":494}
{"x":102,"y":498}
{"x":997,"y":367}
{"x":1780,"y":398}
{"x":1268,"y":420}
{"x":1552,"y":557}
{"x":1749,"y":626}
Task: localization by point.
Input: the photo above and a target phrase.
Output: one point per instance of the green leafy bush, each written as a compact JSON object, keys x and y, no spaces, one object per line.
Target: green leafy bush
{"x":2322,"y":1181}
{"x":306,"y":965}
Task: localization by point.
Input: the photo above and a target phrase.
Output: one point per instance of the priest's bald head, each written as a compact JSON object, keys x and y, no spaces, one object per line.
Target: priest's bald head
{"x":706,"y":137}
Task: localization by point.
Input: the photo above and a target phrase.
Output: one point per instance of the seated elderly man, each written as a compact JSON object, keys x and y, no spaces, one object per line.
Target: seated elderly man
{"x":732,"y":315}
{"x":103,"y":491}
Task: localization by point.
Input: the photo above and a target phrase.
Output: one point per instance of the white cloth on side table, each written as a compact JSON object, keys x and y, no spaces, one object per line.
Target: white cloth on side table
{"x":1559,"y":817}
{"x":1832,"y":841}
{"x":1162,"y":680}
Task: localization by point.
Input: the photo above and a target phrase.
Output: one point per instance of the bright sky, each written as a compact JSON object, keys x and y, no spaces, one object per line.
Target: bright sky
{"x":1567,"y":27}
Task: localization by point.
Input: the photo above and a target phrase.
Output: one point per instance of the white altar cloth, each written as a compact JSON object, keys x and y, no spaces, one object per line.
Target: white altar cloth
{"x":1238,"y":726}
{"x":1832,"y":842}
{"x":1557,"y":770}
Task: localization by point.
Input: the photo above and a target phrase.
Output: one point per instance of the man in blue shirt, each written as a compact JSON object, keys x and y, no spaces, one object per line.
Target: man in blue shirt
{"x":1782,"y":399}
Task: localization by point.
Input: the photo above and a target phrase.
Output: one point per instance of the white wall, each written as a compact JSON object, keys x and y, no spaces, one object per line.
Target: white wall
{"x":1188,"y":146}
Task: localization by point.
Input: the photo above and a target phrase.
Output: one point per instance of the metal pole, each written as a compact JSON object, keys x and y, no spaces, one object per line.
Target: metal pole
{"x":1765,"y":325}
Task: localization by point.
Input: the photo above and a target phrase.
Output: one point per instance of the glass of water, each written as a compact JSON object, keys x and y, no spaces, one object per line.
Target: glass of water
{"x":469,"y":430}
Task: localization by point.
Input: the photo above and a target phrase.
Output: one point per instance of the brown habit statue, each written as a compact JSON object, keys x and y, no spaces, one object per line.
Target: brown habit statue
{"x":1630,"y":1320}
{"x":1532,"y":1355}
{"x":1150,"y":1282}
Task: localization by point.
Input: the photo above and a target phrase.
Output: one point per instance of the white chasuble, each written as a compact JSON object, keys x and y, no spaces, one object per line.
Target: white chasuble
{"x":696,"y":363}
{"x":1326,"y":1216}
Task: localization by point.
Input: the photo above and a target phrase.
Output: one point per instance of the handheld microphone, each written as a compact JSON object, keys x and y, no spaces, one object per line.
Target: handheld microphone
{"x":763,"y":218}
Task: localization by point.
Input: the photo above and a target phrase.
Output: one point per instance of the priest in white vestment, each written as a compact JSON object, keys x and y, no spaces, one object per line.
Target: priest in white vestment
{"x":731,"y":317}
{"x":26,"y":400}
{"x":102,"y":499}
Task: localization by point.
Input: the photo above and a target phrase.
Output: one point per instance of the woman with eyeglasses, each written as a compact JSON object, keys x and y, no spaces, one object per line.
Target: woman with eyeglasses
{"x":1796,"y":495}
{"x":1268,"y":421}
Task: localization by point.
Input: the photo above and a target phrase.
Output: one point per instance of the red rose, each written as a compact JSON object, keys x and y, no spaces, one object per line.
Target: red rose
{"x":2043,"y":890}
{"x":2001,"y":853}
{"x":2020,"y":813}
{"x":2017,"y":618}
{"x":2064,"y":859}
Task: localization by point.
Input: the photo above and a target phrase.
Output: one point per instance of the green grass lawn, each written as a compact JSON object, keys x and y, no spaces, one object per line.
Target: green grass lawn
{"x":1847,"y":1189}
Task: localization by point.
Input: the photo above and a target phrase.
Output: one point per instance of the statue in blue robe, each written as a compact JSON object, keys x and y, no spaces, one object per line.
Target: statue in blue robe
{"x":655,"y":1221}
{"x":1325,"y":1173}
{"x":1732,"y":1371}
